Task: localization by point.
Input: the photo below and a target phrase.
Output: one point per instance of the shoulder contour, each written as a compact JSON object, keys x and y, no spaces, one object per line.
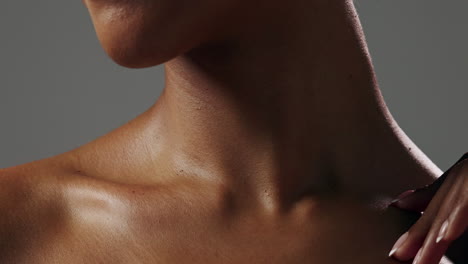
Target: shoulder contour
{"x":23,"y":187}
{"x":15,"y":192}
{"x":27,"y":212}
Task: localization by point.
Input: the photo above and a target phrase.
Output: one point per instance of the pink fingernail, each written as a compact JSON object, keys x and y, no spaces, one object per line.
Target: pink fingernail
{"x":442,"y":231}
{"x":402,"y":195}
{"x":398,"y":243}
{"x":416,"y":258}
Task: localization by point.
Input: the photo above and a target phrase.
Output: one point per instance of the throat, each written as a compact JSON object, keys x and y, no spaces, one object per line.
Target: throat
{"x":274,"y":113}
{"x":276,"y":118}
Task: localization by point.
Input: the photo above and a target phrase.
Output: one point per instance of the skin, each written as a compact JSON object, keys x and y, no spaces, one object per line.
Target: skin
{"x":271,"y":143}
{"x":442,"y":228}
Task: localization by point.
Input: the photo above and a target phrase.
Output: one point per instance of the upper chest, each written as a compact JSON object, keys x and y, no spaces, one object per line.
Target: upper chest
{"x":181,"y":229}
{"x":107,"y":223}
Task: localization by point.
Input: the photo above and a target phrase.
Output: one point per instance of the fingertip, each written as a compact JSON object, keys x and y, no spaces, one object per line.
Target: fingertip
{"x":403,"y":195}
{"x":400,"y":241}
{"x":405,"y":248}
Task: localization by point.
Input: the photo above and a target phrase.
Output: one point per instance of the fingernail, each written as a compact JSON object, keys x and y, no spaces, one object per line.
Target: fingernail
{"x":402,"y":195}
{"x":442,"y":231}
{"x":398,"y":243}
{"x":416,"y":259}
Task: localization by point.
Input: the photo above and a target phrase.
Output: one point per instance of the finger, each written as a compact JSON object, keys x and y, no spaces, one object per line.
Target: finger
{"x":415,"y":200}
{"x":418,"y":200}
{"x":434,"y":248}
{"x":459,"y":216}
{"x":458,"y":222}
{"x":457,"y":251}
{"x":415,"y":236}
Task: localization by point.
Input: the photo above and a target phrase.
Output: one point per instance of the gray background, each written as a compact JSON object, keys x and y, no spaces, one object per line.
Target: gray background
{"x":59,"y":90}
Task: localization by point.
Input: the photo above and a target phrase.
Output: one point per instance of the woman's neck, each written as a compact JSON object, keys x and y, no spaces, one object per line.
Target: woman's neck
{"x":286,"y":106}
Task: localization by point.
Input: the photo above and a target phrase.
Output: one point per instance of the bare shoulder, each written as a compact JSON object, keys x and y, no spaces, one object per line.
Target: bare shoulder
{"x":29,"y":212}
{"x":50,"y":213}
